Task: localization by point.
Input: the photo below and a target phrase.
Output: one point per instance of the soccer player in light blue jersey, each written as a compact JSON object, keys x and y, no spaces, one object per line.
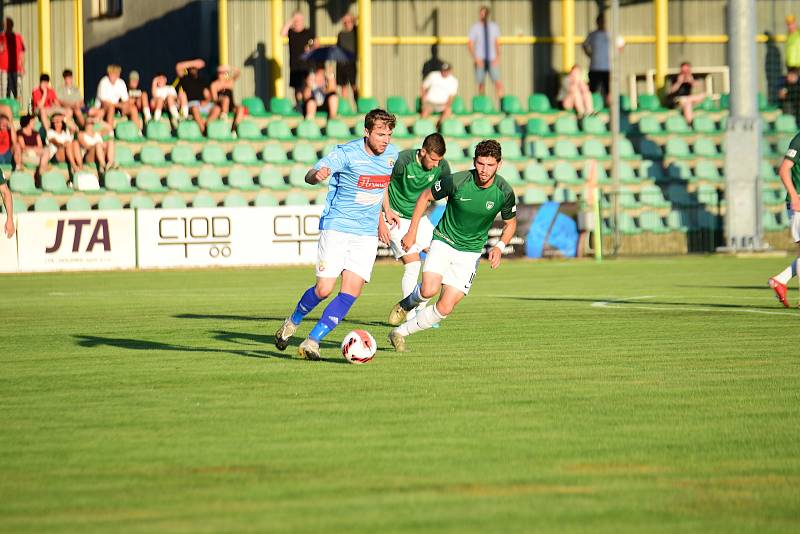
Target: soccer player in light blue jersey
{"x":350,"y":225}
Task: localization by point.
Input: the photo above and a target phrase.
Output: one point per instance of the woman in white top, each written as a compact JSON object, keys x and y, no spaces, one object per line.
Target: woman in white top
{"x":96,"y":150}
{"x":161,"y":94}
{"x":62,"y":144}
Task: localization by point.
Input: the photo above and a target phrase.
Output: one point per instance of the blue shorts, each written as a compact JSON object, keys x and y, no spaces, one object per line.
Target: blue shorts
{"x":7,"y":157}
{"x":481,"y":72}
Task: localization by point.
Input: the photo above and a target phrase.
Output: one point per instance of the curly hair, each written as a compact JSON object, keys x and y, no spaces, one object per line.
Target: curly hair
{"x":379,"y":115}
{"x":488,"y":147}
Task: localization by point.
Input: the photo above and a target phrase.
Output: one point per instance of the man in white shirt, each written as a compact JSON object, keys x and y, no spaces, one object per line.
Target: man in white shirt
{"x":112,"y":96}
{"x":439,"y":88}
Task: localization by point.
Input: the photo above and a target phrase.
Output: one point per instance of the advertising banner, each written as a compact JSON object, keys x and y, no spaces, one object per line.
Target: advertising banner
{"x":8,"y":248}
{"x":76,"y":240}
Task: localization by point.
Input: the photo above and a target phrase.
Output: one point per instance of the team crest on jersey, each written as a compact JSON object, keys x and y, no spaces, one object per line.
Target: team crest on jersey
{"x":791,"y":153}
{"x":390,"y":161}
{"x":489,"y":204}
{"x":321,"y":266}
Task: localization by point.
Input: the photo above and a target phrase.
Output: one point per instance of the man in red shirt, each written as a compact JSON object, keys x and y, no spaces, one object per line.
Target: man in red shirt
{"x":44,"y":98}
{"x":12,"y":61}
{"x":8,"y":140}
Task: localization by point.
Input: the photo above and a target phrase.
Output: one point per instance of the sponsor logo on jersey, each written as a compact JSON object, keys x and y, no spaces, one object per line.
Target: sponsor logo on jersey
{"x":791,"y":153}
{"x":489,"y":204}
{"x":321,"y":266}
{"x":377,"y":181}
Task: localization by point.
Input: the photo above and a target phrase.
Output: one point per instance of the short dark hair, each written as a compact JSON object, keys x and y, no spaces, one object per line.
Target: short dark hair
{"x":685,"y":63}
{"x":488,"y":148}
{"x":66,"y":74}
{"x":44,"y":77}
{"x":379,"y":115}
{"x":434,"y":143}
{"x":160,"y":73}
{"x":25,"y":120}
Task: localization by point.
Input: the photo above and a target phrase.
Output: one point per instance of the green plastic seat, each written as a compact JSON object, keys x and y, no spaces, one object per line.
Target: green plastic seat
{"x":564,"y":173}
{"x":511,"y":151}
{"x":173,"y":201}
{"x":150,"y":182}
{"x":769,"y":223}
{"x":249,"y":131}
{"x":153,"y":156}
{"x":707,"y":170}
{"x":651,"y":221}
{"x":214,"y":154}
{"x":598,"y":102}
{"x":423,"y":127}
{"x":358,"y":128}
{"x":183,"y":154}
{"x":219,"y":130}
{"x":56,"y":183}
{"x":592,"y":148}
{"x":321,"y":198}
{"x":453,"y":128}
{"x":677,"y":221}
{"x":650,"y":170}
{"x":763,"y":103}
{"x":565,"y":149}
{"x":282,"y":106}
{"x":78,"y":203}
{"x":344,"y":108}
{"x":308,"y":129}
{"x":241,"y":179}
{"x":481,"y":127}
{"x":511,"y":175}
{"x":119,"y":182}
{"x":297,"y":177}
{"x":336,"y":129}
{"x":271,"y":178}
{"x":455,"y":153}
{"x":273,"y":153}
{"x":627,"y":224}
{"x":398,"y":106}
{"x":255,"y":106}
{"x":651,"y":195}
{"x":676,"y":124}
{"x":142,"y":202}
{"x":627,"y":174}
{"x":46,"y":204}
{"x":159,"y":131}
{"x":680,"y":170}
{"x":23,"y":183}
{"x":627,"y":199}
{"x":537,"y":150}
{"x":626,"y":150}
{"x":124,"y":157}
{"x":649,"y":149}
{"x":704,"y":124}
{"x":203,"y":200}
{"x":179,"y":180}
{"x":536,"y":174}
{"x":537,"y":127}
{"x":189,"y":130}
{"x":296,"y":199}
{"x":564,"y":194}
{"x":539,"y":103}
{"x":592,"y":125}
{"x":507,"y":127}
{"x":400,"y":131}
{"x":244,"y":154}
{"x":265,"y":199}
{"x":109,"y":202}
{"x":768,"y":173}
{"x":234,"y":200}
{"x":458,"y":106}
{"x":649,"y":125}
{"x":366,"y":104}
{"x":327,"y":149}
{"x":304,"y":153}
{"x":786,"y":124}
{"x":772,"y":197}
{"x":280,"y":130}
{"x":12,"y":103}
{"x":705,"y":147}
{"x":510,"y":104}
{"x":600,"y":173}
{"x":534,"y":195}
{"x":128,"y":132}
{"x":210,"y":180}
{"x":566,"y":125}
{"x":707,"y":194}
{"x":483,"y":104}
{"x":648,"y":102}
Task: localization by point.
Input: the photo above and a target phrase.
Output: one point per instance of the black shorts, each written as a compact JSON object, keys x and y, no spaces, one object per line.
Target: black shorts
{"x":297,"y":78}
{"x":346,"y":74}
{"x":598,"y":81}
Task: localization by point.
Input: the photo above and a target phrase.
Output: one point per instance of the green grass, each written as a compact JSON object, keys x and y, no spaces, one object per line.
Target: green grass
{"x":154,"y":401}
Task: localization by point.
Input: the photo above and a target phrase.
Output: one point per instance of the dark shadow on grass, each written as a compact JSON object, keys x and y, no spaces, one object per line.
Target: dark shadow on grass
{"x":248,"y":338}
{"x":762,"y":287}
{"x":257,"y":318}
{"x":640,"y":302}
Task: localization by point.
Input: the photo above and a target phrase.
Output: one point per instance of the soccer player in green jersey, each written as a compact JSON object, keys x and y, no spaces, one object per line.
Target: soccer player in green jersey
{"x":414,"y":172}
{"x":474,"y":198}
{"x":8,"y":203}
{"x":789,"y":172}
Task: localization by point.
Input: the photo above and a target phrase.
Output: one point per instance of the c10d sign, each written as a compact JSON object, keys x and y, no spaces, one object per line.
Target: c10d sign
{"x":199,"y":237}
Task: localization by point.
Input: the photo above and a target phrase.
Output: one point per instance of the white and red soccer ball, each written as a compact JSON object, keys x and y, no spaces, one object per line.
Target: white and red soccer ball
{"x":359,"y":347}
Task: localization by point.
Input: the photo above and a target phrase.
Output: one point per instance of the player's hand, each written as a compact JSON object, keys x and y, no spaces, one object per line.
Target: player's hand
{"x":795,"y":203}
{"x":408,"y":240}
{"x":494,"y":257}
{"x":383,"y":231}
{"x":9,"y":228}
{"x":322,"y":174}
{"x":392,"y":218}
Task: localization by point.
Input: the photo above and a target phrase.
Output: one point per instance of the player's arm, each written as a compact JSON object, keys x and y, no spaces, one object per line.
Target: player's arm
{"x":509,"y":229}
{"x":419,"y":210}
{"x":8,"y":203}
{"x":785,"y":172}
{"x":333,"y":162}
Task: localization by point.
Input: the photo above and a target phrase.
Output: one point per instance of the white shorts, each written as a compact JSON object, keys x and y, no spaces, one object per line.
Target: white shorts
{"x":340,"y":251}
{"x":794,"y":218}
{"x":456,"y":267}
{"x":424,"y":236}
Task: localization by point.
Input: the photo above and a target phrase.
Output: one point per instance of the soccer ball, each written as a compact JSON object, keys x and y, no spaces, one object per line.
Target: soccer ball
{"x":359,"y":346}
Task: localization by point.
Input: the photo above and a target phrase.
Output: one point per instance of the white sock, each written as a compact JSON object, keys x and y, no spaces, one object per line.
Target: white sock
{"x":157,"y":115}
{"x":174,"y":112}
{"x":147,"y":114}
{"x":425,"y":319}
{"x":787,"y":273}
{"x":185,"y":112}
{"x":410,"y":276}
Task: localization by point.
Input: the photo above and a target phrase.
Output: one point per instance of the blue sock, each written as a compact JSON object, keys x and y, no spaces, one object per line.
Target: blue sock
{"x":334,"y":313}
{"x":412,"y":300}
{"x":308,"y":302}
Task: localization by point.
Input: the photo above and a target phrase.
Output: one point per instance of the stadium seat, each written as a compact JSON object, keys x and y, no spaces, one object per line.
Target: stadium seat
{"x":598,"y":102}
{"x":179,"y":180}
{"x":279,"y":129}
{"x":649,"y":149}
{"x":271,"y":178}
{"x":592,"y":148}
{"x":507,"y":127}
{"x":244,"y":154}
{"x":651,"y":221}
{"x":366,"y":104}
{"x":150,"y":182}
{"x":511,"y":151}
{"x":296,"y":199}
{"x":481,"y":127}
{"x":188,"y":130}
{"x":565,"y":149}
{"x":707,"y":194}
{"x":358,"y":127}
{"x":627,"y":225}
{"x":56,"y":183}
{"x":124,"y":157}
{"x":78,"y":203}
{"x":704,"y":124}
{"x":23,"y":183}
{"x":214,"y":154}
{"x":680,"y":170}
{"x":649,"y":125}
{"x":592,"y":125}
{"x":707,"y":170}
{"x":627,"y":199}
{"x":398,"y":106}
{"x":219,"y":130}
{"x":626,"y":150}
{"x":159,"y":131}
{"x":12,"y":103}
{"x":423,"y":127}
{"x":249,"y":131}
{"x":173,"y":201}
{"x":650,"y":170}
{"x":282,"y":106}
{"x":273,"y":153}
{"x":786,"y":124}
{"x":241,"y":179}
{"x":128,"y":132}
{"x":336,"y":129}
{"x":566,"y":125}
{"x":648,"y":102}
{"x":705,"y":147}
{"x":142,"y":202}
{"x":458,"y":106}
{"x":534,"y":195}
{"x":304,"y":153}
{"x":676,"y":124}
{"x":539,"y":103}
{"x":455,"y":153}
{"x":153,"y":156}
{"x":453,"y":128}
{"x":183,"y":155}
{"x":511,"y":175}
{"x":773,"y":197}
{"x":119,"y":182}
{"x":676,"y":221}
{"x":344,"y":108}
{"x":769,"y":223}
{"x":600,"y":172}
{"x":768,"y":173}
{"x":651,"y":195}
{"x":483,"y":104}
{"x":308,"y":129}
{"x":536,"y":174}
{"x":400,"y":131}
{"x":234,"y":200}
{"x":297,"y":177}
{"x":537,"y":127}
{"x":210,"y":180}
{"x":255,"y":106}
{"x":564,"y":194}
{"x":564,"y":173}
{"x":763,"y":103}
{"x":626,"y":173}
{"x":46,"y":204}
{"x":203,"y":200}
{"x":264,"y":199}
{"x":537,"y":150}
{"x":676,"y":147}
{"x":510,"y":104}
{"x":109,"y":202}
{"x":327,"y":149}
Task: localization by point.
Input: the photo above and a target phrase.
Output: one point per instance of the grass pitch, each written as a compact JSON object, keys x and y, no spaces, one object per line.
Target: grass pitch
{"x":658,"y":395}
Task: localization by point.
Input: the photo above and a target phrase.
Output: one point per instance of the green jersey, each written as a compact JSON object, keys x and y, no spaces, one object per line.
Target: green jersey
{"x":471,"y":210}
{"x":793,"y":155}
{"x":409,"y":179}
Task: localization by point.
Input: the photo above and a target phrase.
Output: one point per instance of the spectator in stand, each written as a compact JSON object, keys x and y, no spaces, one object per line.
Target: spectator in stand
{"x":44,"y":98}
{"x":8,"y":203}
{"x":792,"y":43}
{"x":8,"y":140}
{"x":347,"y":39}
{"x":575,"y":94}
{"x":138,"y":96}
{"x":112,"y":96}
{"x":789,"y":94}
{"x":222,"y":95}
{"x":194,"y":95}
{"x":484,"y":48}
{"x":320,"y":92}
{"x":12,"y":61}
{"x":61,"y":142}
{"x":163,"y":94}
{"x":596,"y":46}
{"x":301,"y":40}
{"x":29,"y":147}
{"x":680,"y":92}
{"x":96,"y":149}
{"x":71,"y":98}
{"x":439,"y":88}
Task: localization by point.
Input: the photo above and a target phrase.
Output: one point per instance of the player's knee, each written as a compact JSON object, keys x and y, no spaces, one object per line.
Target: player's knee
{"x":444,"y":308}
{"x":428,"y":290}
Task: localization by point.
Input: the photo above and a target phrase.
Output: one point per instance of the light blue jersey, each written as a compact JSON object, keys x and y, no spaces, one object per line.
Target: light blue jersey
{"x":355,"y":187}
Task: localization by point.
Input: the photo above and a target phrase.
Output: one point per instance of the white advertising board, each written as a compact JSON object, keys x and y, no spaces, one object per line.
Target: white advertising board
{"x":8,"y":247}
{"x":205,"y":237}
{"x":76,"y":240}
